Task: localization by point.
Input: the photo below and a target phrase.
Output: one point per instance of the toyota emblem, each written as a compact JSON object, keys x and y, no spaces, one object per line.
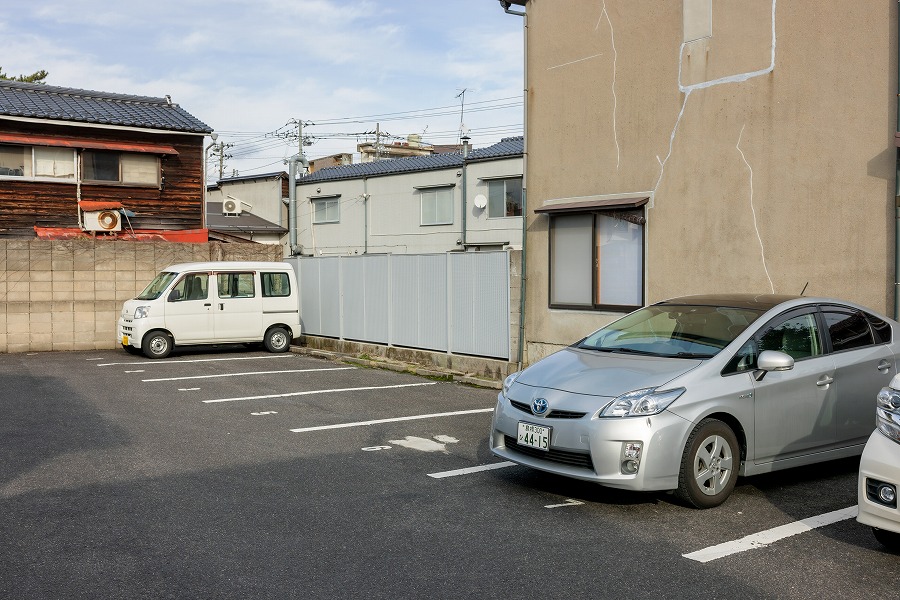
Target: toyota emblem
{"x":539,"y":406}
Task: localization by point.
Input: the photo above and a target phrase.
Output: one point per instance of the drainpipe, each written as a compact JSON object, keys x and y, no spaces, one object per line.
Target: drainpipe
{"x":465,"y":141}
{"x":897,"y":192}
{"x":292,"y":199}
{"x":365,"y":215}
{"x":520,"y":359}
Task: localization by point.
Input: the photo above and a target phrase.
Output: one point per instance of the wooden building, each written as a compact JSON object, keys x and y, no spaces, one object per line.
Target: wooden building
{"x":79,"y":163}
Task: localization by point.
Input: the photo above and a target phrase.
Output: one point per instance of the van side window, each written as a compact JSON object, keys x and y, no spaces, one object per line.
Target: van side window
{"x":236,"y":285}
{"x":193,"y":286}
{"x":275,"y":285}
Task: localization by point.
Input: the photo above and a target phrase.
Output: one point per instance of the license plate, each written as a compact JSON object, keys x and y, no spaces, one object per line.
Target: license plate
{"x":534,"y":436}
{"x":124,"y":340}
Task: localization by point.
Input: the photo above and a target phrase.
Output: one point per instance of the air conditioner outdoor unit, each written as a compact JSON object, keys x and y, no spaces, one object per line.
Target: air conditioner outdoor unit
{"x":231,"y":207}
{"x":102,"y":220}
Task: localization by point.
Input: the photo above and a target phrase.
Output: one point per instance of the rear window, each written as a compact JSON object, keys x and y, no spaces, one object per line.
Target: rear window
{"x":275,"y":285}
{"x":848,"y":330}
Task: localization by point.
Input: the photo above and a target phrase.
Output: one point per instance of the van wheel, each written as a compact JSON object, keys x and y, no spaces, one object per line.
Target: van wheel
{"x":157,"y":344}
{"x":277,"y":340}
{"x":709,"y":465}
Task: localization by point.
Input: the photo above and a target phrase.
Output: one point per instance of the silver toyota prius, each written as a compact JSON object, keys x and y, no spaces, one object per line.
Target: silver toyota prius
{"x":690,"y":393}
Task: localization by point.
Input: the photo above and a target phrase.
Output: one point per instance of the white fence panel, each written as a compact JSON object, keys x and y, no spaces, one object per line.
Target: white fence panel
{"x":455,"y":302}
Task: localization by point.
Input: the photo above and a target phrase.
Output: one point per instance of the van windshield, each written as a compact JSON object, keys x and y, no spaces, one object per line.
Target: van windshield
{"x":157,"y":286}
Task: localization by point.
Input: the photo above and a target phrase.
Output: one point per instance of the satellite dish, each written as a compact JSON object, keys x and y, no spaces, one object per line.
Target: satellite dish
{"x":480,"y":201}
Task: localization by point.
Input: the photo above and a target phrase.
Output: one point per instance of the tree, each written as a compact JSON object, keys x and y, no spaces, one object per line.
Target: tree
{"x":36,"y":77}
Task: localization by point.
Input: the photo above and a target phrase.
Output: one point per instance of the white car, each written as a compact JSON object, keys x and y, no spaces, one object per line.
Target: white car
{"x":879,"y":470}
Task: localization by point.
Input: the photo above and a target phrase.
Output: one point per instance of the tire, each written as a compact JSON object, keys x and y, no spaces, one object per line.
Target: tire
{"x":157,"y":344}
{"x":131,"y":350}
{"x":888,"y":539}
{"x":277,"y":340}
{"x":709,"y":465}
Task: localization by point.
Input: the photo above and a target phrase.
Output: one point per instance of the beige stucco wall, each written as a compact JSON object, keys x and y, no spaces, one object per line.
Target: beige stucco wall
{"x":759,"y":178}
{"x":67,"y":295}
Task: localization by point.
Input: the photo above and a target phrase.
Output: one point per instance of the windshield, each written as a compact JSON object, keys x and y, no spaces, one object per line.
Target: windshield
{"x":157,"y":286}
{"x":672,"y":330}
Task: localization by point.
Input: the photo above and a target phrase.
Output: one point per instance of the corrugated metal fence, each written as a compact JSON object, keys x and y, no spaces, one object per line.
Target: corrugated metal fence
{"x":454,"y":302}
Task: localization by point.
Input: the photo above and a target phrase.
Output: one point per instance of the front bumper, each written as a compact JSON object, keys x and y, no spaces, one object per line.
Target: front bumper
{"x":590,"y":448}
{"x":880,"y":461}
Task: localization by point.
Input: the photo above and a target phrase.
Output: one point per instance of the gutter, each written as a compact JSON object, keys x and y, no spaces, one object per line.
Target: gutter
{"x":292,"y":200}
{"x":505,"y":4}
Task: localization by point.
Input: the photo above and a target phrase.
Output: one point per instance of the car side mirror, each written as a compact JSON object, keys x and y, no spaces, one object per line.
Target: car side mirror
{"x":772,"y":360}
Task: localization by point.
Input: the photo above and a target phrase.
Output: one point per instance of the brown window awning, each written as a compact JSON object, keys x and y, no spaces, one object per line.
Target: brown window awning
{"x":24,"y":139}
{"x":593,"y":205}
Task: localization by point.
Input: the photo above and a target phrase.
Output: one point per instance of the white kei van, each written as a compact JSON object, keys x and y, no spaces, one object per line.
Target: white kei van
{"x":213,"y":303}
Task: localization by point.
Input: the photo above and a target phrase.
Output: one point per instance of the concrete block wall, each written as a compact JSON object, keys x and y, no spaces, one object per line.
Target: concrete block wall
{"x":67,"y":295}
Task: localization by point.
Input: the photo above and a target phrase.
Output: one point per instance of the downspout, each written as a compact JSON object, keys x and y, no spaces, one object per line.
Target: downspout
{"x":365,"y":215}
{"x":292,"y":200}
{"x":520,"y":359}
{"x":897,"y":188}
{"x":465,"y":156}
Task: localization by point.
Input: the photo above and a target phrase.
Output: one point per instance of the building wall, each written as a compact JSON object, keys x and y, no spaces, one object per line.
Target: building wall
{"x":177,"y":204}
{"x":264,"y":197}
{"x":394,"y":213}
{"x":67,"y":295}
{"x":761,"y":176}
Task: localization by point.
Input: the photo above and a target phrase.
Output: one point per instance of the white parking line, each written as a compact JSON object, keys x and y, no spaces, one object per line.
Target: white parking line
{"x":188,"y":389}
{"x":309,"y":392}
{"x":478,"y":469}
{"x":568,"y":502}
{"x":770,"y":536}
{"x":196,"y":360}
{"x":393,"y":420}
{"x":247,"y":373}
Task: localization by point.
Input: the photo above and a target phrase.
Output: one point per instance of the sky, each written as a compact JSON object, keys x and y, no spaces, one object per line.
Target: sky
{"x":253,"y":69}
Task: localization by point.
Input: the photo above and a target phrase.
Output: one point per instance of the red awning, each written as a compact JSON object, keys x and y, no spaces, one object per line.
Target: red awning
{"x":99,"y":205}
{"x":25,"y":139}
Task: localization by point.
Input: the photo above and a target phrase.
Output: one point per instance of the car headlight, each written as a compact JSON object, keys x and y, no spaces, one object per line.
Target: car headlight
{"x":508,"y":382}
{"x":141,"y":311}
{"x":641,"y":403}
{"x":887,"y":413}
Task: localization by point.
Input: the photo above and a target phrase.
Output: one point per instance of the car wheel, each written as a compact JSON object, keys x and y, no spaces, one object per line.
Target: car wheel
{"x":277,"y":340}
{"x":157,"y":344}
{"x":131,"y":350}
{"x":888,"y":539}
{"x":709,"y":465}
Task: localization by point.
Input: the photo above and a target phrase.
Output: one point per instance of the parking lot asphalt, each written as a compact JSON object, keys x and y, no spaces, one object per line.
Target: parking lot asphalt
{"x":234,"y":473}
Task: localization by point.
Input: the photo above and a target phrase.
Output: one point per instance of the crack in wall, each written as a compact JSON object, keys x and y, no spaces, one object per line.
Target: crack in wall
{"x":574,"y":62}
{"x":612,"y":38}
{"x":762,"y":249}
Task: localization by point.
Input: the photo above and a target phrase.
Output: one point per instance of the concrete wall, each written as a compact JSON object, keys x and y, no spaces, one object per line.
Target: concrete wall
{"x":763,"y":174}
{"x":67,"y":295}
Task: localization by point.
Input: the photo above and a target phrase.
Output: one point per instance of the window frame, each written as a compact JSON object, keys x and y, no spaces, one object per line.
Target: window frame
{"x":504,"y":180}
{"x":333,"y":200}
{"x":78,"y":169}
{"x":594,"y":306}
{"x":435,"y":189}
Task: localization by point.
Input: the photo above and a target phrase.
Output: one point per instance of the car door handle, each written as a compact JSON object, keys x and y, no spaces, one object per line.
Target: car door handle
{"x":884,"y":366}
{"x":825,"y":380}
{"x":207,"y":304}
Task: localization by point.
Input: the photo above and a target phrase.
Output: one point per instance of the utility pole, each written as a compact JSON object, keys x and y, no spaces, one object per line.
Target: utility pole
{"x":222,"y":157}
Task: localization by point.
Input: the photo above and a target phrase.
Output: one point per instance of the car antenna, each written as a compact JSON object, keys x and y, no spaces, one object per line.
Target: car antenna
{"x":804,"y":288}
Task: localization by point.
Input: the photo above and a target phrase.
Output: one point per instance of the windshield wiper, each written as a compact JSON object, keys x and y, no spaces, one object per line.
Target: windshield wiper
{"x":625,"y":350}
{"x":693,"y":355}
